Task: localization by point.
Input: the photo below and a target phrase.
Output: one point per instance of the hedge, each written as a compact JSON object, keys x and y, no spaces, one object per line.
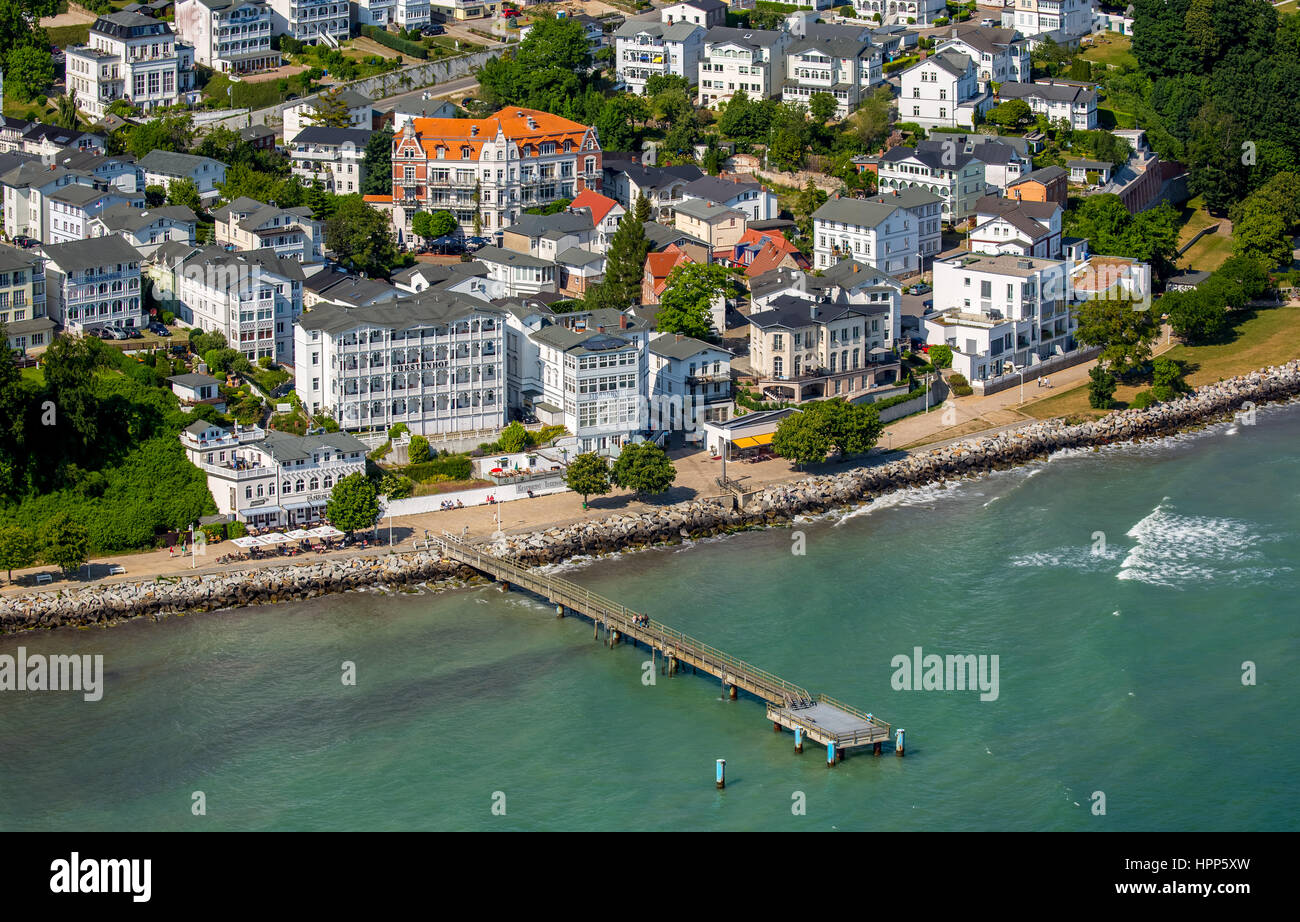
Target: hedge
{"x":414,"y":49}
{"x":456,"y":467}
{"x":901,"y":63}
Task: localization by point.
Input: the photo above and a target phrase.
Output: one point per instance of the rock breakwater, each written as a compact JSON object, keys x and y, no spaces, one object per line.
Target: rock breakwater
{"x":774,"y":505}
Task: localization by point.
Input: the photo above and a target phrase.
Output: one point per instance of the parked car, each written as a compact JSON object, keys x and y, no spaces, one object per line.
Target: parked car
{"x":22,"y":240}
{"x":509,"y":13}
{"x":159,"y":329}
{"x":921,"y":289}
{"x":132,"y":333}
{"x":111,"y":333}
{"x":116,"y":570}
{"x":433,"y":30}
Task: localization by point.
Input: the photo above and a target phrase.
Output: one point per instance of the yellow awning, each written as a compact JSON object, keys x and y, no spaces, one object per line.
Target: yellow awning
{"x":753,"y":441}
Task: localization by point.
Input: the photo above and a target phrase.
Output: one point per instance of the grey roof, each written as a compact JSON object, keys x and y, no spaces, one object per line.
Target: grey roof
{"x":352,"y":98}
{"x":503,"y":256}
{"x":995,"y":204}
{"x":96,"y":251}
{"x":219,"y":257}
{"x":170,"y":163}
{"x":79,"y":194}
{"x":985,"y":39}
{"x":677,"y":347}
{"x":35,"y":173}
{"x":199,"y":426}
{"x":993,"y":152}
{"x":714,"y":189}
{"x":752,"y":38}
{"x":87,"y":161}
{"x":676,"y":32}
{"x":791,"y":313}
{"x":193,"y":380}
{"x":252,"y":132}
{"x":855,"y":211}
{"x":1089,"y":165}
{"x":351,"y":290}
{"x":704,"y":6}
{"x":931,"y":153}
{"x":906,"y":198}
{"x":126,"y":217}
{"x":702,"y":210}
{"x":12,"y":258}
{"x":954,"y":62}
{"x":428,"y":308}
{"x":1044,"y":175}
{"x":661,"y":236}
{"x":653,"y":177}
{"x":590,"y":340}
{"x":321,"y":134}
{"x":1056,"y":92}
{"x":536,"y":225}
{"x":576,"y":256}
{"x":283,"y":446}
{"x":838,"y":46}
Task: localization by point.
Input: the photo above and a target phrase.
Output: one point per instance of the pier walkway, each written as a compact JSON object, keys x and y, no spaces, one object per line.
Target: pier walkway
{"x":822,"y":719}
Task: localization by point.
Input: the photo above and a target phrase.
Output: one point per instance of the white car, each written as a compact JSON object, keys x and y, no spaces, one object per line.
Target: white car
{"x":116,"y":570}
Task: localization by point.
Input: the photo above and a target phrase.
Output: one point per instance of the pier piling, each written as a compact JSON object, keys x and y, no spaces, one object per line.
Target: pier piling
{"x":798,"y":739}
{"x":898,"y":742}
{"x":722,"y":774}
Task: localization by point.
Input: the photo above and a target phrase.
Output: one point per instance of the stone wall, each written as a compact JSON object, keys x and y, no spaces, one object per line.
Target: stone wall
{"x":777,"y":504}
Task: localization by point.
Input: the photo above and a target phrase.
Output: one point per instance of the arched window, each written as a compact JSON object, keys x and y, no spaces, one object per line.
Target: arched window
{"x":315,"y":484}
{"x":298,"y":485}
{"x":286,"y":487}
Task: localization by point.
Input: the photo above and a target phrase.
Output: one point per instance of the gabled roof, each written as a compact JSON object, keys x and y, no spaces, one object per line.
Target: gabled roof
{"x":1049,"y":90}
{"x":126,"y":217}
{"x":954,"y":62}
{"x":859,"y":212}
{"x":504,"y":257}
{"x":170,"y":163}
{"x":333,"y":137}
{"x":600,"y":205}
{"x":929,"y":153}
{"x":1044,"y":175}
{"x":680,"y":348}
{"x":996,"y":205}
{"x":536,"y":225}
{"x":717,"y":189}
{"x":96,"y":251}
{"x":747,"y":38}
{"x":705,"y":211}
{"x":675,"y":32}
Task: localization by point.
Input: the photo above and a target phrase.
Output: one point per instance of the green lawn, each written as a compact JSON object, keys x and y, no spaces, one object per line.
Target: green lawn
{"x":1262,"y":337}
{"x":63,"y":36}
{"x":1210,"y":251}
{"x":1111,"y":50}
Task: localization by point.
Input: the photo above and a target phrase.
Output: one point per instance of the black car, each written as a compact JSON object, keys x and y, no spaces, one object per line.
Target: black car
{"x":133,"y":332}
{"x":159,"y":329}
{"x":22,"y":240}
{"x":433,"y":30}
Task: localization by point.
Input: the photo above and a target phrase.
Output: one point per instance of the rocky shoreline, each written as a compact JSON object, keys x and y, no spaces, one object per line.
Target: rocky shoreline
{"x":775,"y":505}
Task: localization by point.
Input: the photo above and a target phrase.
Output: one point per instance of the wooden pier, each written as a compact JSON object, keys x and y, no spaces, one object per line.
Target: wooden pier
{"x":830,"y":723}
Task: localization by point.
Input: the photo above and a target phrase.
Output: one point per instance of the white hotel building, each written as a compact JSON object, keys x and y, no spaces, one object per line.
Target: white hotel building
{"x":434,"y":361}
{"x":654,"y":49}
{"x":313,"y":21}
{"x":129,"y":56}
{"x":751,"y":61}
{"x":229,"y":36}
{"x":251,"y":298}
{"x":93,"y":283}
{"x":271,"y":479}
{"x":879,"y":232}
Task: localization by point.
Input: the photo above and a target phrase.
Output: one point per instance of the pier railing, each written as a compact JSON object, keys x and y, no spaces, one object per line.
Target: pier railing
{"x":672,"y":641}
{"x":861,"y":715}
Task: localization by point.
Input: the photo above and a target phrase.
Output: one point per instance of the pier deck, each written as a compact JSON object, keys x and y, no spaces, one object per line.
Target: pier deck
{"x":819,"y":718}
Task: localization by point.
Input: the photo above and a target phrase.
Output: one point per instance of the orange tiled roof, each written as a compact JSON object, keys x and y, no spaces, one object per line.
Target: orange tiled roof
{"x":771,"y":257}
{"x":378,"y":199}
{"x":764,"y":237}
{"x":1102,"y":273}
{"x":512,"y":122}
{"x":600,"y":205}
{"x":660,"y":265}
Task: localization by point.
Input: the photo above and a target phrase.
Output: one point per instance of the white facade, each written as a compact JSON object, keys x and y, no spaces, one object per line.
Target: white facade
{"x":1065,"y":21}
{"x":291,"y":233}
{"x":333,"y":157}
{"x":1073,"y":103}
{"x":957,"y":178}
{"x":74,"y":207}
{"x":312,"y":21}
{"x":651,"y":49}
{"x":412,"y":13}
{"x":736,"y":60}
{"x":129,"y":56}
{"x":433,"y":361}
{"x":229,"y":36}
{"x":845,"y":69}
{"x":162,"y":168}
{"x":902,"y":12}
{"x":690,"y":384}
{"x":268,"y":478}
{"x":93,"y":283}
{"x":877,"y":233}
{"x":992,"y":310}
{"x":376,"y":12}
{"x":26,"y":188}
{"x":522,"y":273}
{"x":997,"y":57}
{"x":253,"y":300}
{"x":300,"y":115}
{"x":941,"y":91}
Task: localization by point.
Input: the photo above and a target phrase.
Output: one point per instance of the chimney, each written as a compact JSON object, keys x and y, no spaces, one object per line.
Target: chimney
{"x":600,"y":328}
{"x":812,"y":312}
{"x":677,"y":337}
{"x":954,"y":31}
{"x":622,"y":321}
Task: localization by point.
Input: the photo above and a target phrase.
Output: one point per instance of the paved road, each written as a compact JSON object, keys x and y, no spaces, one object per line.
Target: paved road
{"x":450,"y":88}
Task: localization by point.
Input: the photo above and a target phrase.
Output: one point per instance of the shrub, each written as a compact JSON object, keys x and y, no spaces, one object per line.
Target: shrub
{"x":962,"y":390}
{"x":941,"y":356}
{"x":398,"y":430}
{"x":405,"y":46}
{"x":1143,"y":399}
{"x":168,"y":318}
{"x":453,"y":467}
{"x":236,"y":529}
{"x":418,"y":451}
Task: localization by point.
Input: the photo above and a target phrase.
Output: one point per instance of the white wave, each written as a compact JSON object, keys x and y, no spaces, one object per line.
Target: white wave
{"x":1081,"y":557}
{"x":922,"y":495}
{"x":1172,"y":550}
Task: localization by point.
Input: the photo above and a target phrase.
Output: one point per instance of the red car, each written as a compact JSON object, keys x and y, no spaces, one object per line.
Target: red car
{"x":510,"y":13}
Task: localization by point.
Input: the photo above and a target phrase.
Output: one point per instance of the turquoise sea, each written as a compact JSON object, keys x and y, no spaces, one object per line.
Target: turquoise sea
{"x":1120,"y":672}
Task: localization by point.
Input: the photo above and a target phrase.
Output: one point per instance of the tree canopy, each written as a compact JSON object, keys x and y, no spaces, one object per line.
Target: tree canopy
{"x":361,"y":238}
{"x":643,"y":467}
{"x":685,"y":305}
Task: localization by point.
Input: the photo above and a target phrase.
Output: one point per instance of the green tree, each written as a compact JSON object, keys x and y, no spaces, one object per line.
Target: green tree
{"x":822,"y":107}
{"x":802,"y":438}
{"x":361,"y":238}
{"x":1101,"y":388}
{"x":69,"y":366}
{"x":422,"y":225}
{"x":624,"y":264}
{"x":353,"y":504}
{"x":18,"y":549}
{"x":1247,"y":274}
{"x":183,"y":192}
{"x":28,"y":71}
{"x":67,"y":542}
{"x":168,"y":132}
{"x":330,"y":110}
{"x":685,"y":306}
{"x":417,"y":452}
{"x":378,"y":163}
{"x":852,"y":428}
{"x":643,"y":467}
{"x":940,"y":356}
{"x":1011,"y":114}
{"x":1125,"y":335}
{"x":869,"y":125}
{"x":589,"y":475}
{"x":67,"y":115}
{"x":1262,"y":234}
{"x":621,"y":123}
{"x":514,"y":438}
{"x":1167,"y":378}
{"x":1195,"y":316}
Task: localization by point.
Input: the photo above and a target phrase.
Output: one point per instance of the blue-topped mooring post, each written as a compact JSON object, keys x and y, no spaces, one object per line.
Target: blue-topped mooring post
{"x":798,"y":739}
{"x":898,"y":742}
{"x":830,"y":753}
{"x":722,"y":774}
